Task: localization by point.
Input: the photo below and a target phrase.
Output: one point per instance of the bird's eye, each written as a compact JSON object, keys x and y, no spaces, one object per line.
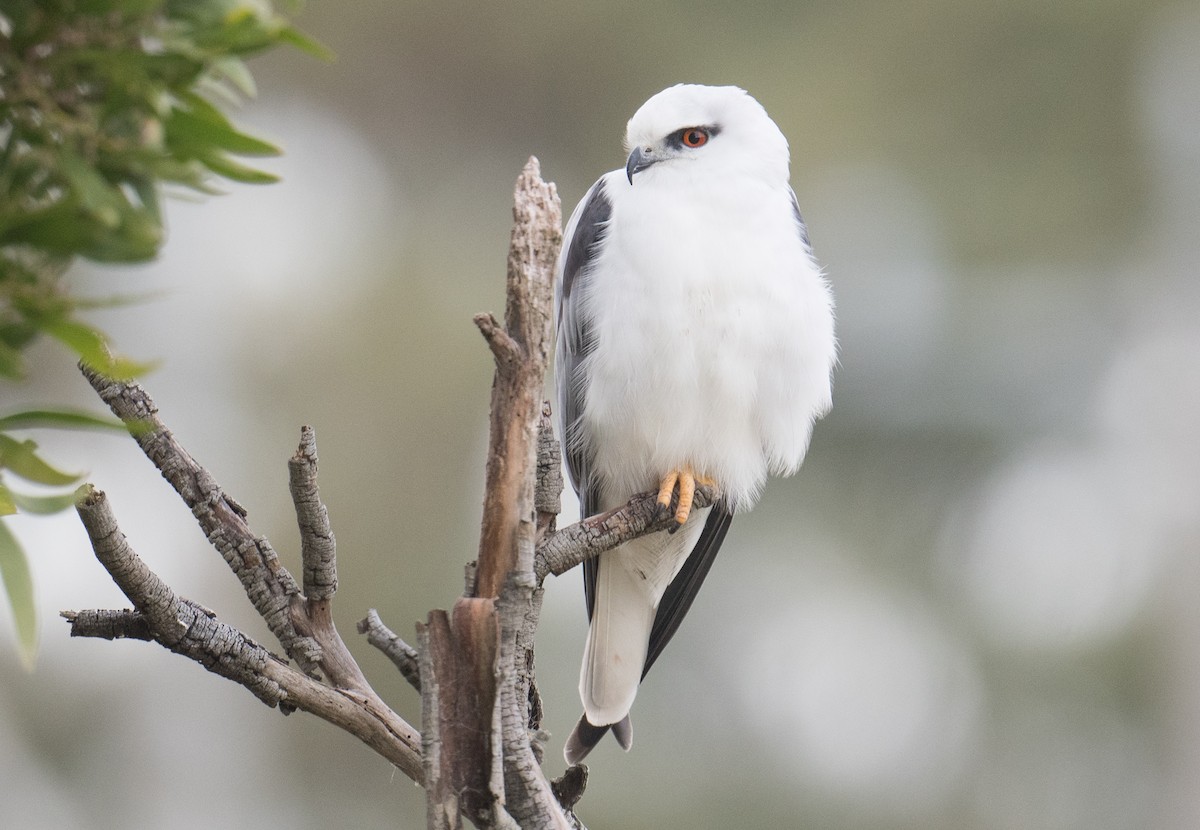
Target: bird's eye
{"x":694,"y":137}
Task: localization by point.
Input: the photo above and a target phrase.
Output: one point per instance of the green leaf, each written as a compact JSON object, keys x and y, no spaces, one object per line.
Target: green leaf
{"x":8,"y":504}
{"x":203,"y":128}
{"x":96,"y":195}
{"x":67,"y":228}
{"x":235,"y":72}
{"x":58,"y":228}
{"x":43,"y":505}
{"x":58,"y":419}
{"x":18,"y":585}
{"x":22,"y":459}
{"x":136,"y":240}
{"x":222,"y":165}
{"x":147,"y":191}
{"x":92,"y":348}
{"x":11,"y":365}
{"x":297,"y":38}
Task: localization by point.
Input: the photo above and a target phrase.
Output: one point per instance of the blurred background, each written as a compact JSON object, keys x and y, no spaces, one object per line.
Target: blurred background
{"x":976,"y":605}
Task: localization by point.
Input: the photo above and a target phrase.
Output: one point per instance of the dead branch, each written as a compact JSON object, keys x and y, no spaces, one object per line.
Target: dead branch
{"x":403,"y":656}
{"x":472,"y":691}
{"x":266,"y":582}
{"x":190,"y":629}
{"x":522,"y":352}
{"x":567,"y":548}
{"x":480,"y":748}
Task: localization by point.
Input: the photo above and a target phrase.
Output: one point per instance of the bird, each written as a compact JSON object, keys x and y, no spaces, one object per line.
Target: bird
{"x":695,"y":347}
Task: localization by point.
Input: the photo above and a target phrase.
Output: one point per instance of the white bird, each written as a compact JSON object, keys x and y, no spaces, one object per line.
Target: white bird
{"x":695,"y":345}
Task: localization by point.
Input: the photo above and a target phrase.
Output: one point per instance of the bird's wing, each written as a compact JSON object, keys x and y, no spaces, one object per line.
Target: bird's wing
{"x":677,"y":599}
{"x":576,"y":339}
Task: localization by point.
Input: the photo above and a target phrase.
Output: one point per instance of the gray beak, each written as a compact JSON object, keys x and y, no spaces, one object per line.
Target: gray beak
{"x":639,"y":159}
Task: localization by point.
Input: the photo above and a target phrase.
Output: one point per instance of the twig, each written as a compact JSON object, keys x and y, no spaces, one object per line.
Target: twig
{"x":192,"y":630}
{"x":266,"y":582}
{"x":318,"y":550}
{"x":114,"y":624}
{"x":176,"y":623}
{"x":312,"y":613}
{"x":403,"y":656}
{"x":565,"y":549}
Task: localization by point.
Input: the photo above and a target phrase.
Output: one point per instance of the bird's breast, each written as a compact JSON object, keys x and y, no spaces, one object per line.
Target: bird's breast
{"x":701,"y":315}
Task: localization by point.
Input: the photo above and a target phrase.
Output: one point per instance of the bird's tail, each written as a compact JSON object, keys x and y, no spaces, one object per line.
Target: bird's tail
{"x":586,"y":735}
{"x":615,"y":654}
{"x":618,"y":638}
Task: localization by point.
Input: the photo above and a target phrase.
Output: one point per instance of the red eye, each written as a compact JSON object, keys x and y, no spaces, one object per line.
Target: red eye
{"x":695,"y":137}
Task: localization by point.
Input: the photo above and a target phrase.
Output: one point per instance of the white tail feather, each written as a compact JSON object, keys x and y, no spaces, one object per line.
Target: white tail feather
{"x":630,"y":582}
{"x":616,"y":644}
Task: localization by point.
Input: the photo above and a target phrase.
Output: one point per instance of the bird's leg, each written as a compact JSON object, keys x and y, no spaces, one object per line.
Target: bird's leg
{"x":686,"y":480}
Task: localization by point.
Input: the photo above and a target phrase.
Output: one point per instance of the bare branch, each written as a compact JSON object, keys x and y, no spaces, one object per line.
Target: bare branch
{"x":266,"y":582}
{"x":521,"y":360}
{"x":190,"y":629}
{"x":458,"y":697}
{"x":180,"y":625}
{"x":108,"y":624}
{"x":506,"y":350}
{"x":477,"y":670}
{"x":587,"y":539}
{"x":318,"y":551}
{"x":547,"y":494}
{"x":402,"y":655}
{"x":480,"y":749}
{"x":569,"y":789}
{"x":312,"y":614}
{"x":530,"y":798}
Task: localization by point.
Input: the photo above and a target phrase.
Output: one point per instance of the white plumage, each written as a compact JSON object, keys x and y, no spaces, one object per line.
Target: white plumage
{"x":696,"y":336}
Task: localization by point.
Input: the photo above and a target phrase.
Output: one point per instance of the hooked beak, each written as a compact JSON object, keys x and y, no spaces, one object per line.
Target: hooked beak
{"x":639,"y":159}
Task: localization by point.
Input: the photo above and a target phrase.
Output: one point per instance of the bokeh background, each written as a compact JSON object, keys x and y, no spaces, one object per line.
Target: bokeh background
{"x":978,"y":604}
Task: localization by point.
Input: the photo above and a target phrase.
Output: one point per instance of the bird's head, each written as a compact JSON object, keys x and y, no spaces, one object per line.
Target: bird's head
{"x":720,"y":128}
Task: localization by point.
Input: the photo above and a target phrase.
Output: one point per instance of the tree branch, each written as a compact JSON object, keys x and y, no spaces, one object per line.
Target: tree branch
{"x":588,"y":538}
{"x":477,"y":678}
{"x":266,"y":582}
{"x":403,"y":656}
{"x":108,"y":625}
{"x":187,"y":628}
{"x":522,"y":351}
{"x":318,"y":550}
{"x":181,"y":626}
{"x":480,"y":748}
{"x":547,"y":494}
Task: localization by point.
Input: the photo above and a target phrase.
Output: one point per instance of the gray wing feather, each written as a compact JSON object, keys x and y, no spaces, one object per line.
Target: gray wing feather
{"x":576,"y":340}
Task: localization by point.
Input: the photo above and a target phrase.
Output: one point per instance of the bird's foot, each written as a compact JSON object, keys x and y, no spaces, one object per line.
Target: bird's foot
{"x":685,"y":479}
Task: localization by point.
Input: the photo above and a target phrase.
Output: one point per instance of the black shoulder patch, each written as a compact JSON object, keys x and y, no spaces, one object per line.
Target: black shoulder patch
{"x":592,"y":226}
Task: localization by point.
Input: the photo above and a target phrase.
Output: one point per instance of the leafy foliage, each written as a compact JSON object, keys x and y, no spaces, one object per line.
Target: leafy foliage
{"x":102,"y":104}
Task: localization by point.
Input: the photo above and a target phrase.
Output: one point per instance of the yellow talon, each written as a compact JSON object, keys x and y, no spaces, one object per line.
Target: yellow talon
{"x":686,"y":479}
{"x":666,"y":487}
{"x":687,"y":493}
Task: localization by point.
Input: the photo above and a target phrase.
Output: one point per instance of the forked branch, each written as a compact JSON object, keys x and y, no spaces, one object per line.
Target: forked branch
{"x":479,"y":751}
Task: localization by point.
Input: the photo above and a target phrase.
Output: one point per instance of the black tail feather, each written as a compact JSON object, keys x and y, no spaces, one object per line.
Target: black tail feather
{"x":586,"y":735}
